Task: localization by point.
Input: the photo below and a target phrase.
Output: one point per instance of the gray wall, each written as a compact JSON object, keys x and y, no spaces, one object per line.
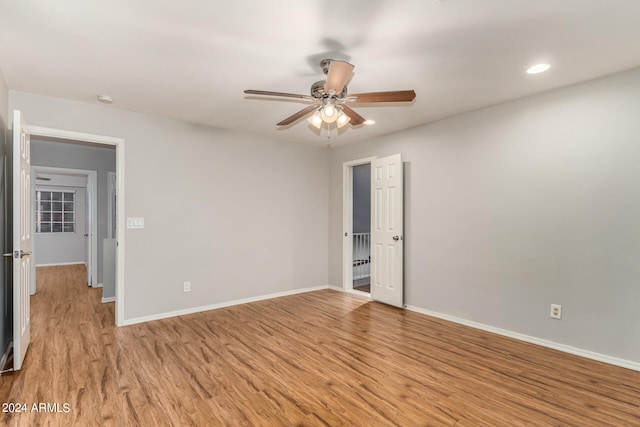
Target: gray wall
{"x":515,"y":207}
{"x":64,"y":248}
{"x":6,"y":303}
{"x":77,"y":156}
{"x":362,"y":198}
{"x":508,"y":209}
{"x":238,"y":215}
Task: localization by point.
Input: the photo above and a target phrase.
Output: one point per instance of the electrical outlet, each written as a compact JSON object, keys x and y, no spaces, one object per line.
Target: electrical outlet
{"x":187,"y":286}
{"x":556,"y":311}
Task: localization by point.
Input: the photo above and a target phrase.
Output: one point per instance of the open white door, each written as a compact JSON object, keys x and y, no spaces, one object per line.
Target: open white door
{"x":386,"y":230}
{"x":21,"y":238}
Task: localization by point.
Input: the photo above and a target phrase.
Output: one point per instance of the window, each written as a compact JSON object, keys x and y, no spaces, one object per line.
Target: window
{"x":55,"y":211}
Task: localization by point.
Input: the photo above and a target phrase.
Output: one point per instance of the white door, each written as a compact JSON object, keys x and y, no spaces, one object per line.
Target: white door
{"x":386,"y":230}
{"x":21,"y":238}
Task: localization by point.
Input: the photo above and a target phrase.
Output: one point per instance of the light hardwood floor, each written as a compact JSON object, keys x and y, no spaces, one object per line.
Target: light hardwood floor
{"x":321,"y":358}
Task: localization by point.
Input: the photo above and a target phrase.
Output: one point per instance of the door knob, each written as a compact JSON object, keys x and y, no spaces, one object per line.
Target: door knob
{"x":396,"y":238}
{"x":16,"y":254}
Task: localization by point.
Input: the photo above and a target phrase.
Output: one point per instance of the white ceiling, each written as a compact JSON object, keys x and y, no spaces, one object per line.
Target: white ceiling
{"x":191,"y":59}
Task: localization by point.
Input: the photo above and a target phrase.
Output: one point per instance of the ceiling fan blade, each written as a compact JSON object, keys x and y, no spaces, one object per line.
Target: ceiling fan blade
{"x":356,"y":119}
{"x":300,"y":114}
{"x":269,"y":93}
{"x":339,"y":74}
{"x":393,"y":96}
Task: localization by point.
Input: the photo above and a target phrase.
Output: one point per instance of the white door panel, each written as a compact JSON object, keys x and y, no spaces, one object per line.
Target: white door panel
{"x":21,"y":238}
{"x":386,"y":232}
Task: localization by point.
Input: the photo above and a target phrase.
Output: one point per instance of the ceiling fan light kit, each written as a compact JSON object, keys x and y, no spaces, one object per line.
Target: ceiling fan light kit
{"x":330,"y":98}
{"x":343,"y":119}
{"x":340,"y":119}
{"x":316,"y":119}
{"x":329,"y":112}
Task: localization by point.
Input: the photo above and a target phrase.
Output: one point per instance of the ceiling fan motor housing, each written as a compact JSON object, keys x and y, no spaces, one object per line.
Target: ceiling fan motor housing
{"x":317,"y":91}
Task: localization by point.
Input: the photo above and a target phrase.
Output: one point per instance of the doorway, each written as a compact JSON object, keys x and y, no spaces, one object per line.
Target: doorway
{"x":76,"y":241}
{"x":21,"y":221}
{"x":357,"y":226}
{"x":377,"y":256}
{"x":75,"y":140}
{"x":361,"y":231}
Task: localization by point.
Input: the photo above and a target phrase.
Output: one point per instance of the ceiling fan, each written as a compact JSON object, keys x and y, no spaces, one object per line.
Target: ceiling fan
{"x":330,"y":98}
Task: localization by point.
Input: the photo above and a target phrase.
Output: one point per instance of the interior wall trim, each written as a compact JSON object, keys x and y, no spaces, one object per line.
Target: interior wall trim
{"x":623,"y":363}
{"x":533,"y":340}
{"x":57,"y":264}
{"x":200,"y":309}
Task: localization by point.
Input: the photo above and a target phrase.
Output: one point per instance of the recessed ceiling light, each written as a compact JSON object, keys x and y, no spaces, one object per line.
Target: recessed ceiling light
{"x":538,"y":68}
{"x":369,"y":122}
{"x":105,"y":99}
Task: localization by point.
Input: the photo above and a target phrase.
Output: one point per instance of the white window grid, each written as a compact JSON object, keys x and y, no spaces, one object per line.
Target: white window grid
{"x":55,"y":211}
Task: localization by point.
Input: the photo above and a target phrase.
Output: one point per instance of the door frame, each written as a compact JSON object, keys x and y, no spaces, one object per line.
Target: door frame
{"x":111,"y":188}
{"x":347,"y":222}
{"x":45,"y":132}
{"x":92,"y":216}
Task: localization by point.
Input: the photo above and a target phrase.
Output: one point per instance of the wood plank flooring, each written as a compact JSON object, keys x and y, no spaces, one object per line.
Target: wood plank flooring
{"x":363,"y":287}
{"x":323,"y":358}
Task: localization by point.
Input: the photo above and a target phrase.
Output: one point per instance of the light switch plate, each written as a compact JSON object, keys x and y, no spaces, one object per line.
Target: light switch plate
{"x":135,"y":222}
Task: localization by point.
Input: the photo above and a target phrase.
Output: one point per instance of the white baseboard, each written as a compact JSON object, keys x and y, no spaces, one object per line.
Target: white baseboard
{"x":522,"y":337}
{"x":108,"y":299}
{"x":60,"y":263}
{"x":193,"y":310}
{"x":623,"y":363}
{"x":526,"y":338}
